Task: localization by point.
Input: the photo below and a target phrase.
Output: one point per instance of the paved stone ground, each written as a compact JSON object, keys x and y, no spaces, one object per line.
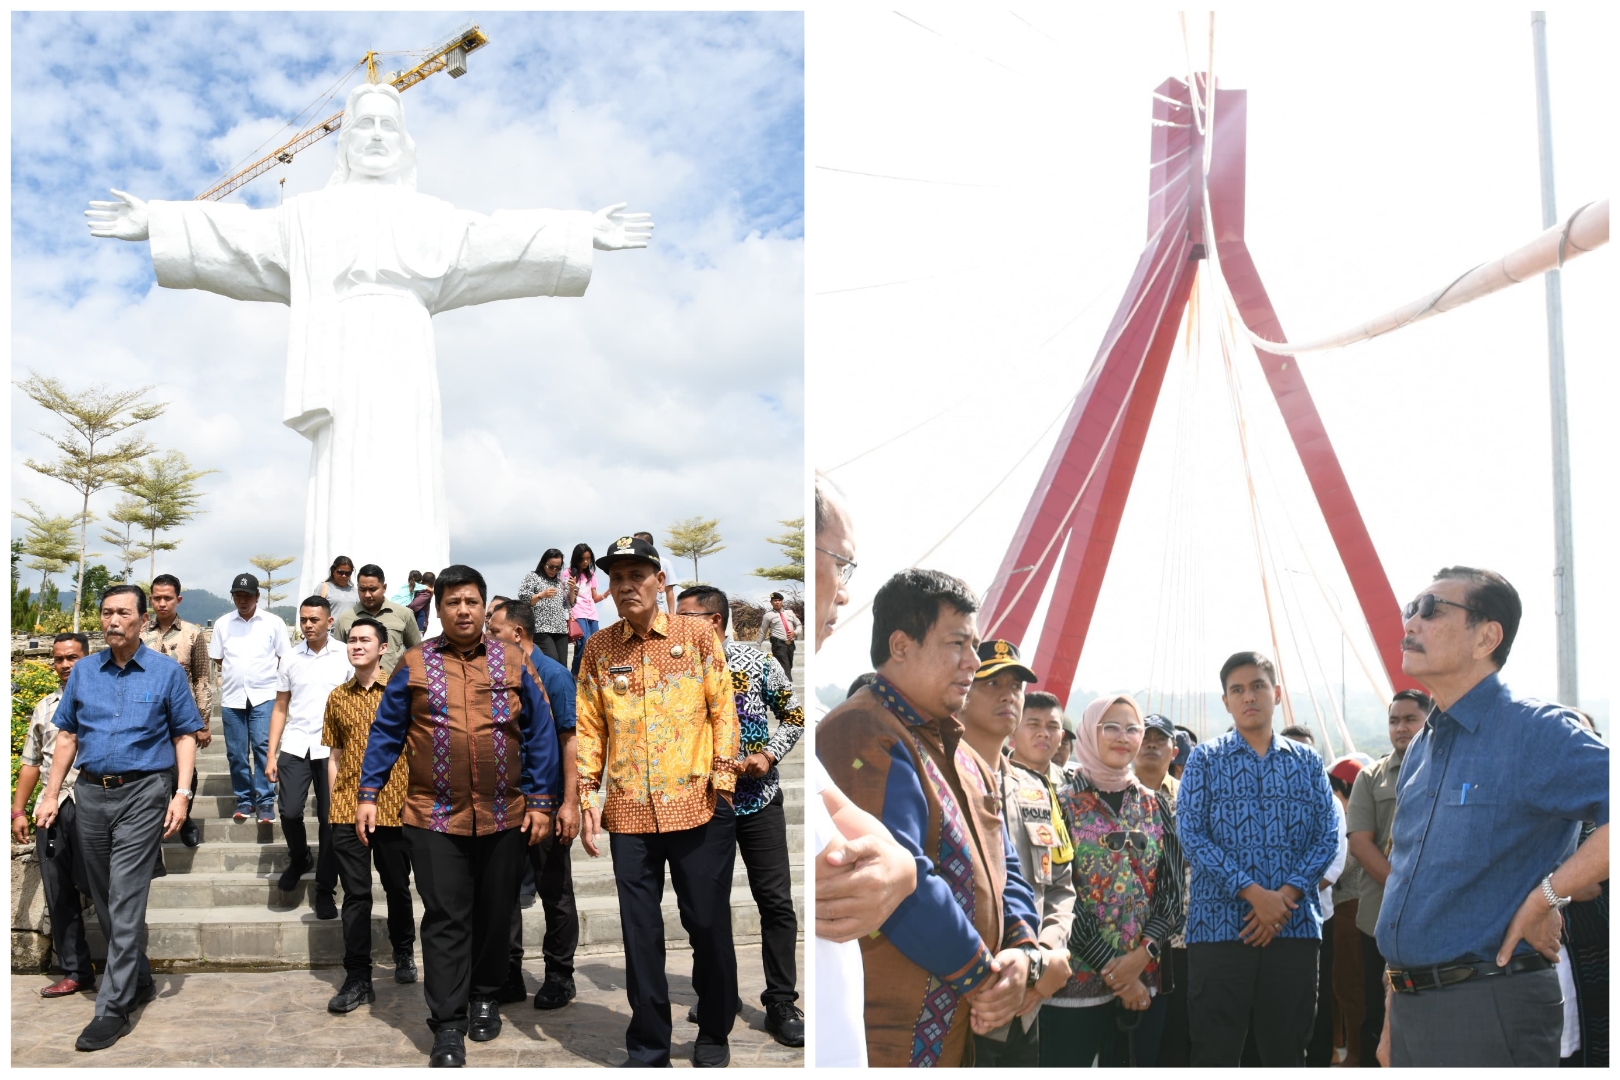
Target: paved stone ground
{"x":279,"y":1019}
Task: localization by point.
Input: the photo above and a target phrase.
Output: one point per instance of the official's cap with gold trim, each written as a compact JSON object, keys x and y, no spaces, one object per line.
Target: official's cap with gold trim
{"x":997,"y":656}
{"x":629,"y":549}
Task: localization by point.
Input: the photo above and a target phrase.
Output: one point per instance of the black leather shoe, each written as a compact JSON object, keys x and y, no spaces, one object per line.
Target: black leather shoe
{"x":483,"y":1020}
{"x":784,"y":1022}
{"x":102,"y":1032}
{"x":299,"y":867}
{"x":711,"y":1056}
{"x":514,"y":991}
{"x":190,"y":833}
{"x":325,"y":906}
{"x":557,"y":991}
{"x":449,"y":1052}
{"x":404,"y":966}
{"x":356,"y":992}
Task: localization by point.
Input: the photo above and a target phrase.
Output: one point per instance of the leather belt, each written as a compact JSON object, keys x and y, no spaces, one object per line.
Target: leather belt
{"x":1440,"y":976}
{"x":116,"y":780}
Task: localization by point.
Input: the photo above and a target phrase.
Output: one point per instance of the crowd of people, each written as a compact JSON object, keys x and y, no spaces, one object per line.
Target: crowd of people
{"x":1002,"y":883}
{"x":468,"y":760}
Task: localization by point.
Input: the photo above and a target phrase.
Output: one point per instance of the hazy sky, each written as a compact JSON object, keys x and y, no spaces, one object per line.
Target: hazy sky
{"x":977,"y":271}
{"x":673,"y":388}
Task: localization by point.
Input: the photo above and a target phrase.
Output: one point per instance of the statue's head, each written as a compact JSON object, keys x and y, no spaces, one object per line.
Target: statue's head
{"x":373,"y":142}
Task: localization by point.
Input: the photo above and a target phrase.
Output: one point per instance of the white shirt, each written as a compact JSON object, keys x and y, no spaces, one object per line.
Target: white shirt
{"x":840,"y":1011}
{"x":1336,"y":867}
{"x":310,"y":677}
{"x":1571,"y":1040}
{"x":250,"y":650}
{"x":672,"y":580}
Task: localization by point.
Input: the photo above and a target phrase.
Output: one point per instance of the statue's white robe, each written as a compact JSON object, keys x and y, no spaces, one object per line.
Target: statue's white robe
{"x":364,"y":267}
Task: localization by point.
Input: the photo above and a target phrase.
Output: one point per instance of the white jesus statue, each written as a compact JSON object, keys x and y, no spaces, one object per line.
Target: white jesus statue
{"x":365,"y":263}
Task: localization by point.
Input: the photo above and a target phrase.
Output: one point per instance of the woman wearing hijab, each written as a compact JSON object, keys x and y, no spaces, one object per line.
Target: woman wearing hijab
{"x":1128,"y":880}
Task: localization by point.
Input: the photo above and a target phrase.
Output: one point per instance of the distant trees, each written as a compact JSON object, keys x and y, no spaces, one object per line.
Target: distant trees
{"x":49,"y":545}
{"x":166,"y":490}
{"x":268,"y":565}
{"x":695,"y":538}
{"x":792,"y":545}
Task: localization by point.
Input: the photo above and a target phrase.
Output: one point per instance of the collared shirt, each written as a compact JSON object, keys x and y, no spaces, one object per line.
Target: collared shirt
{"x":309,"y":677}
{"x":1040,"y":834}
{"x":186,"y":644}
{"x":559,"y":685}
{"x":772,"y":627}
{"x":345,"y":726}
{"x":1492,"y":795}
{"x":126,"y":718}
{"x":656,"y":715}
{"x":1245,"y":820}
{"x":479,"y":733}
{"x":39,"y":745}
{"x":760,"y":684}
{"x":1372,"y":808}
{"x":398,"y":619}
{"x":938,"y":799}
{"x":550,"y":612}
{"x":249,"y":651}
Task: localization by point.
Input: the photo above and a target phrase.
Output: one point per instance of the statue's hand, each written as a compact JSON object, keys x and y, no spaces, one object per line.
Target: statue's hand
{"x":124,"y":219}
{"x":614,"y":230}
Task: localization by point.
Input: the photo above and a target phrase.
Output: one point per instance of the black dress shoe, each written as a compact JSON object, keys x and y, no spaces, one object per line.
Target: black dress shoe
{"x":190,"y":833}
{"x":356,"y":992}
{"x":514,"y":991}
{"x":483,"y":1020}
{"x":784,"y":1022}
{"x":325,"y":906}
{"x":404,"y":966}
{"x":298,"y":868}
{"x":449,"y":1052}
{"x":557,"y":991}
{"x":711,"y":1056}
{"x":102,"y":1032}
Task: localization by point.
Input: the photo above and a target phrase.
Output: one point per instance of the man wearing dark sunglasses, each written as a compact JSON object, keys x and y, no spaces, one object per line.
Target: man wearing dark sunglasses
{"x":1488,"y":811}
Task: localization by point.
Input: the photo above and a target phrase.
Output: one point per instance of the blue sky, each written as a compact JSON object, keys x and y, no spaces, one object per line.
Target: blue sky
{"x":674,"y":388}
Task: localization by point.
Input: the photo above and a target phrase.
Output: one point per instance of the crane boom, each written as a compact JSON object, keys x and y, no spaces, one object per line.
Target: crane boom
{"x":451,"y":55}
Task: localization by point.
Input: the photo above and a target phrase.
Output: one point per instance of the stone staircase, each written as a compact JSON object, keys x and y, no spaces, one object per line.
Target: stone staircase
{"x":219,"y":907}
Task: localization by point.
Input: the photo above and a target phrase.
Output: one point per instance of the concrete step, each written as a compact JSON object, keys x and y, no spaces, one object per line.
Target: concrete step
{"x":262,"y":939}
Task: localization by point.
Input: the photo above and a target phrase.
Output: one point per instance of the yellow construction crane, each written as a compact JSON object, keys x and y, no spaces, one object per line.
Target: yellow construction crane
{"x":449,"y":56}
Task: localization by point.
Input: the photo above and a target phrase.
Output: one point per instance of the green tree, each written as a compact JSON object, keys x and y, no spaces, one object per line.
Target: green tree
{"x":49,"y":546}
{"x":792,"y":545}
{"x":166,"y":488}
{"x":130,"y":550}
{"x":31,"y":680}
{"x":96,"y":581}
{"x":268,"y":565}
{"x":91,"y":459}
{"x":695,"y":538}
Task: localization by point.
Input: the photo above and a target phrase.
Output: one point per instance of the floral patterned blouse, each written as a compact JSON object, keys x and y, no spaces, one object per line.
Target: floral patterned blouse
{"x":551,"y":612}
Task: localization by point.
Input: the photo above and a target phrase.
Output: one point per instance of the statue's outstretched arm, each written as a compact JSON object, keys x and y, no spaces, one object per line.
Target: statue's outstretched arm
{"x":614,"y":230}
{"x":124,"y":219}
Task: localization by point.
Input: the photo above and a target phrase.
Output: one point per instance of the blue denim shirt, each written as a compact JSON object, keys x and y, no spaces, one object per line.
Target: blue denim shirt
{"x":1246,"y":820}
{"x":127,"y":718}
{"x":558,"y":682}
{"x":1490,"y":801}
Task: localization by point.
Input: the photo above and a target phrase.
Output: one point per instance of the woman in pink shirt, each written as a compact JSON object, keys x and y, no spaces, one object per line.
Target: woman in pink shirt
{"x":583,"y":595}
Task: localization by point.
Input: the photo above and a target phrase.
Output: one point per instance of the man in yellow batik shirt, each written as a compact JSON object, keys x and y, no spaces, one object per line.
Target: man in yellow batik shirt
{"x":657,"y":715}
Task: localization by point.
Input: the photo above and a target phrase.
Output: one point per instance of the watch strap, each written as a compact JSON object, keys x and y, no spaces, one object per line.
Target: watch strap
{"x":1551,"y":894}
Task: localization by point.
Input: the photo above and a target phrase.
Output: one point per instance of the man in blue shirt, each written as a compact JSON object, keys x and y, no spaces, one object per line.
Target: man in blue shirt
{"x":1491,"y":798}
{"x":513,"y":620}
{"x":1257,"y":824}
{"x":127,"y":720}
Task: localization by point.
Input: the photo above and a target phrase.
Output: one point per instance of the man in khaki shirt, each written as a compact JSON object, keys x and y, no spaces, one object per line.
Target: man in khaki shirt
{"x":399,"y":620}
{"x":187,"y":645}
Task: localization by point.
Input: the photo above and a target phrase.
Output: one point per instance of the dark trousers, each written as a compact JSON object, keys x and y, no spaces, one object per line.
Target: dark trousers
{"x":1372,"y":990}
{"x":469,"y":886}
{"x":762,"y":840}
{"x":554,"y":646}
{"x":700,"y":864}
{"x":61,"y":870}
{"x":1233,"y":987}
{"x":553,"y":870}
{"x":120,"y":830}
{"x":1078,"y":1038}
{"x":1140,"y":1035}
{"x":783,"y":651}
{"x":1319,"y":1048}
{"x":1483,"y":1023}
{"x":1175,"y":1047}
{"x":1021,"y":1050}
{"x":390,"y":853}
{"x":297,"y":775}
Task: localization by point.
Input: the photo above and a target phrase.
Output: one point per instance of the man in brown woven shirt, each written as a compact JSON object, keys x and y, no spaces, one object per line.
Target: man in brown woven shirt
{"x":186,"y":644}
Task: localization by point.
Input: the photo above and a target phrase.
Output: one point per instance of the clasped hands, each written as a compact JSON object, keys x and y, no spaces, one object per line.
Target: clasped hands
{"x":1269,"y":912}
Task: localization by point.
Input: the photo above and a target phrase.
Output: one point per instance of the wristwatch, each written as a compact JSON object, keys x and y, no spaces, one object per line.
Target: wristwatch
{"x":1554,"y":901}
{"x":187,"y":792}
{"x":1152,"y":948}
{"x":1037,"y":964}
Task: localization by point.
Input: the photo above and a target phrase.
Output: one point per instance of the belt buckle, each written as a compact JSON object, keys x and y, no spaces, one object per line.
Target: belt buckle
{"x":105,"y":786}
{"x":1404,"y":977}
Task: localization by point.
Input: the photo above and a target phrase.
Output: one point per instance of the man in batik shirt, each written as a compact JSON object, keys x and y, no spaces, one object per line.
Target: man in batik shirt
{"x":760,"y":685}
{"x":186,"y":644}
{"x":655,"y":713}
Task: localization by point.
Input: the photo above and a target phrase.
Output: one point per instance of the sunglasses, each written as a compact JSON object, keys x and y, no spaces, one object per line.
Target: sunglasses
{"x":1424,"y":606}
{"x":846,"y":567}
{"x":1114,"y":731}
{"x":1119,"y":841}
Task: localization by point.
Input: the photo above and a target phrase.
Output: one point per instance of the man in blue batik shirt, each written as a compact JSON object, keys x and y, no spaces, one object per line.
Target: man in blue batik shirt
{"x":1492,"y":795}
{"x":760,"y":684}
{"x":1257,"y":824}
